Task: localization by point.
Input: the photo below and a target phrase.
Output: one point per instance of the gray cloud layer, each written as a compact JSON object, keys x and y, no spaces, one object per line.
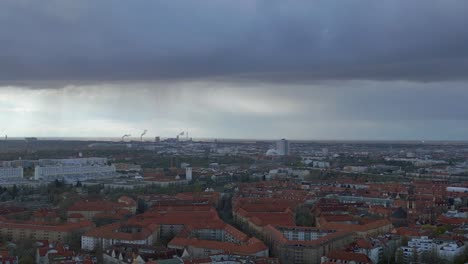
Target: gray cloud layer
{"x":270,"y":40}
{"x":261,"y":69}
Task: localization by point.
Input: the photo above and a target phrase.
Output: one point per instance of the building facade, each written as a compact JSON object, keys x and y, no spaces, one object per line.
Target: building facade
{"x":10,"y":174}
{"x":303,"y":244}
{"x":282,"y":147}
{"x":73,"y":170}
{"x":17,"y":230}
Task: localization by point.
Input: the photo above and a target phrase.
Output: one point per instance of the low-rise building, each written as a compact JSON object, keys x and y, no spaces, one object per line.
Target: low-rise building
{"x":10,"y":176}
{"x":344,"y":257}
{"x":172,"y":221}
{"x":89,"y":209}
{"x":418,"y":247}
{"x":304,"y":244}
{"x":450,"y":250}
{"x":204,"y":239}
{"x":364,"y":228}
{"x":19,"y":230}
{"x":120,"y":233}
{"x":73,"y":170}
{"x":195,"y":247}
{"x":127,"y":253}
{"x":371,"y":248}
{"x":52,"y":253}
{"x":11,"y":173}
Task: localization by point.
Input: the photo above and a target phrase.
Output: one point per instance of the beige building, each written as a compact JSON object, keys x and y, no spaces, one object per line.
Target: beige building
{"x":120,"y":233}
{"x":304,"y":244}
{"x":16,"y":230}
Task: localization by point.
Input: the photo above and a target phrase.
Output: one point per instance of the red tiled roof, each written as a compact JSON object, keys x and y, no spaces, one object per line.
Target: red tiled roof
{"x":262,"y":218}
{"x":264,"y":204}
{"x":349,"y":256}
{"x":278,"y":236}
{"x":254,"y":246}
{"x":42,"y":213}
{"x":75,"y":215}
{"x":362,"y":243}
{"x":356,"y":227}
{"x":337,"y":217}
{"x":112,"y":231}
{"x":96,"y":206}
{"x":179,"y":217}
{"x":127,"y":201}
{"x":406,"y":231}
{"x":451,"y":221}
{"x":66,"y":227}
{"x":181,"y":207}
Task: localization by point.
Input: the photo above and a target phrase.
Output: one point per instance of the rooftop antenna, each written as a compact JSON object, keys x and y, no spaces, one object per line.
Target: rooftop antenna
{"x":142,"y":134}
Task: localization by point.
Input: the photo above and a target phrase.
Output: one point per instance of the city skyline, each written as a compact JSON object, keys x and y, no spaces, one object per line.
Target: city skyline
{"x":245,"y":69}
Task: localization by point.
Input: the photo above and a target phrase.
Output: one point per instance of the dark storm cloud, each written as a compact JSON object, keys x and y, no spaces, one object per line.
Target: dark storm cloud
{"x":289,"y":41}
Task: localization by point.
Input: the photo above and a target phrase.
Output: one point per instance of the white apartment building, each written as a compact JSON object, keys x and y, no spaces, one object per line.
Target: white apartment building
{"x":72,"y":170}
{"x":304,"y":234}
{"x":10,"y":176}
{"x":73,"y":162}
{"x":446,"y":250}
{"x":320,"y":164}
{"x":8,"y":172}
{"x":451,"y":250}
{"x":108,"y":235}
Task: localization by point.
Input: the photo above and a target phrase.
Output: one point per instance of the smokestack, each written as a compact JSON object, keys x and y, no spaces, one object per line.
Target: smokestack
{"x":142,"y":134}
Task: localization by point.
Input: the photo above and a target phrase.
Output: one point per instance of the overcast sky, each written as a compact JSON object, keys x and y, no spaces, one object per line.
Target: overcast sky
{"x":360,"y":69}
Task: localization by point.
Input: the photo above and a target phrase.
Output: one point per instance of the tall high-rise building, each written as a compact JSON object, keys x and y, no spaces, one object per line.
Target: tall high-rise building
{"x":188,"y":173}
{"x":282,"y":147}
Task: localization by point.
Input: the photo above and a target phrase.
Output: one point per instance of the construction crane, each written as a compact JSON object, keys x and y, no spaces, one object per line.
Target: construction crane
{"x":124,"y":136}
{"x":142,"y":134}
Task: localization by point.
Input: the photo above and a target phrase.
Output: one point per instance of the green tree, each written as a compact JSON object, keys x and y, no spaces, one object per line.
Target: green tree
{"x":440,"y":230}
{"x":78,"y":184}
{"x":25,"y":249}
{"x":141,"y":206}
{"x":462,"y":258}
{"x":197,"y":187}
{"x":415,"y":256}
{"x":399,"y":257}
{"x":74,"y":240}
{"x":304,"y":217}
{"x":404,"y":241}
{"x":432,"y":257}
{"x":28,"y":259}
{"x":14,"y":191}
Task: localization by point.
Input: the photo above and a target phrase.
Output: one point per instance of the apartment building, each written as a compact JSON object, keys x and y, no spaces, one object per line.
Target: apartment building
{"x":304,"y":244}
{"x":89,"y":209}
{"x":19,"y":230}
{"x":73,"y":170}
{"x":204,"y":239}
{"x":120,"y":233}
{"x":10,"y":175}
